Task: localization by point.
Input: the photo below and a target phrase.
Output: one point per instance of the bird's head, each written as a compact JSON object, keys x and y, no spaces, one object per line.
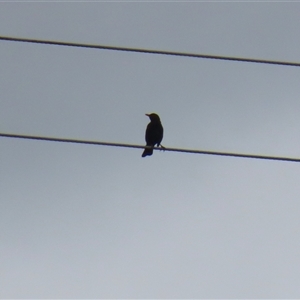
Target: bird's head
{"x":153,"y":117}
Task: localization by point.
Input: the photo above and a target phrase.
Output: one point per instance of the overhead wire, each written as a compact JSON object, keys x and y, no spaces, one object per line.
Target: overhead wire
{"x":99,"y":143}
{"x":149,"y":51}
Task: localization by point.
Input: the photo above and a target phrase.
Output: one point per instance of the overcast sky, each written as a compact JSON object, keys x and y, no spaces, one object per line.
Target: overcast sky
{"x":82,"y":221}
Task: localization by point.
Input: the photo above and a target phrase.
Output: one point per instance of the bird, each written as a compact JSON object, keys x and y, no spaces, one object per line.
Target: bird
{"x":154,"y":134}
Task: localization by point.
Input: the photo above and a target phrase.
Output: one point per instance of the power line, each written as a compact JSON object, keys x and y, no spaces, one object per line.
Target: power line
{"x":148,"y":51}
{"x":76,"y":141}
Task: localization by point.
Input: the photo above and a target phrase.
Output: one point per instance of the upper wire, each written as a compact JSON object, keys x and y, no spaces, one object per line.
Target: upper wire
{"x":149,"y":51}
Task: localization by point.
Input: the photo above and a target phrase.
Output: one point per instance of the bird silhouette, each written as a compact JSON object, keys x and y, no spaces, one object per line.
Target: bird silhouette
{"x":154,"y":134}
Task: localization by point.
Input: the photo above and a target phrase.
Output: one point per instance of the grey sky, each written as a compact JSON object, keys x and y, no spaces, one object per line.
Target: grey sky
{"x":79,"y":221}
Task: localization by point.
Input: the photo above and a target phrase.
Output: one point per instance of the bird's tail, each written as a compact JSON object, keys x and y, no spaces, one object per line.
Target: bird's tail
{"x":148,"y":151}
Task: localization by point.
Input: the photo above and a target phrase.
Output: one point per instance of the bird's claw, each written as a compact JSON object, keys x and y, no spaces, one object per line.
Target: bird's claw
{"x":162,"y":148}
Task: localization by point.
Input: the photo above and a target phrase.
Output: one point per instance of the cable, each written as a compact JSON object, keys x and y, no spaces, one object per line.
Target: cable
{"x":173,"y":53}
{"x":76,"y":141}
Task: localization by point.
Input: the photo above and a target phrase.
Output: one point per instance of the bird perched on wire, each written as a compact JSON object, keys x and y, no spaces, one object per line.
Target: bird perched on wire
{"x":154,"y":134}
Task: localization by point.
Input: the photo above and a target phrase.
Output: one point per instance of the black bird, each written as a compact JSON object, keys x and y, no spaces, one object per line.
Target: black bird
{"x":154,"y":134}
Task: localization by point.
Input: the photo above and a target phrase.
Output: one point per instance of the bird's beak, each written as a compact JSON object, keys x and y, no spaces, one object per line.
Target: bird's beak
{"x":147,"y":115}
